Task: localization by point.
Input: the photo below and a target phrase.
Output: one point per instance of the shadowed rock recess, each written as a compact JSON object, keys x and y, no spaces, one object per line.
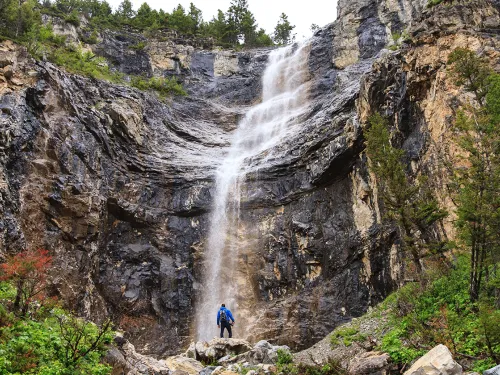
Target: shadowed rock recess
{"x":118,"y":184}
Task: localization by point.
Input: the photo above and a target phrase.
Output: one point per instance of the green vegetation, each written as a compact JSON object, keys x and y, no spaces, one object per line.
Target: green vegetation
{"x":408,"y":202}
{"x":432,"y":3}
{"x":283,"y":31}
{"x":139,"y":46}
{"x":477,"y":179}
{"x":38,"y":337}
{"x":286,"y":366}
{"x":236,"y":27}
{"x":163,"y":86}
{"x":443,"y":313}
{"x":348,"y":335}
{"x":457,"y":303}
{"x":43,"y":43}
{"x":23,"y":23}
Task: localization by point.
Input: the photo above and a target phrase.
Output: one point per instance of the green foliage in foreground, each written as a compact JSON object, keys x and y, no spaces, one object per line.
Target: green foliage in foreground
{"x":443,"y":313}
{"x":49,"y":342}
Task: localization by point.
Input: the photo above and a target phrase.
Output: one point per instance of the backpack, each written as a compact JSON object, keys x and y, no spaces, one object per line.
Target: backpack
{"x":223,"y":316}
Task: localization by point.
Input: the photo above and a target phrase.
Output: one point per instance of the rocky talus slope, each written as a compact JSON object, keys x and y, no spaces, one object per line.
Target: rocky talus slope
{"x":118,"y":184}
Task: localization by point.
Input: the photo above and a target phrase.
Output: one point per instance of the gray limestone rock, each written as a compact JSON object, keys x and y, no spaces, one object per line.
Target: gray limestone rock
{"x":438,"y":361}
{"x":492,"y":371}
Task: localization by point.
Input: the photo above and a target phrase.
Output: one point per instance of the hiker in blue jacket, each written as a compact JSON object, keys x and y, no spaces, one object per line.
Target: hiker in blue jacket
{"x":225,"y":320}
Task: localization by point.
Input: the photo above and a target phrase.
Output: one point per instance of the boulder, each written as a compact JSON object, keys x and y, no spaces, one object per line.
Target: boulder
{"x":126,"y":361}
{"x":493,"y":371}
{"x":437,"y":361}
{"x":182,"y":363}
{"x":370,"y":363}
{"x":262,"y":353}
{"x":208,"y":370}
{"x":217,"y":349}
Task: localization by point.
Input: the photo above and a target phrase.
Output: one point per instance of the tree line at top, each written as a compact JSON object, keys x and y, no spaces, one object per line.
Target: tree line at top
{"x":235,"y":27}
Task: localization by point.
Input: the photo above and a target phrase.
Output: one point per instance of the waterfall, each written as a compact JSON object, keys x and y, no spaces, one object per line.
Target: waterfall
{"x":284,"y":98}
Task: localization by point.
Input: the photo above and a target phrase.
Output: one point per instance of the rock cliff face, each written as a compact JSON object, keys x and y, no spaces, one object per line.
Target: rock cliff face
{"x":118,"y":184}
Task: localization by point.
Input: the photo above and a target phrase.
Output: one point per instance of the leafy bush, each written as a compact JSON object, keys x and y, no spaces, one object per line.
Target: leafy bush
{"x":43,"y":347}
{"x":284,"y":357}
{"x":43,"y":339}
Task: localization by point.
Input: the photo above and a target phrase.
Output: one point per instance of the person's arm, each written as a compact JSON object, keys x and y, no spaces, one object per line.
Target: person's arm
{"x":231,"y":315}
{"x":218,"y":317}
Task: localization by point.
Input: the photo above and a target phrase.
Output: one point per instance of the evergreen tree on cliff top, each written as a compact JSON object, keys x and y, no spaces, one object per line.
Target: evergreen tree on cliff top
{"x":283,"y":31}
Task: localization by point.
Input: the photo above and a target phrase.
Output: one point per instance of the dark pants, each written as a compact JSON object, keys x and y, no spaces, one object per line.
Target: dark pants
{"x":227,"y":326}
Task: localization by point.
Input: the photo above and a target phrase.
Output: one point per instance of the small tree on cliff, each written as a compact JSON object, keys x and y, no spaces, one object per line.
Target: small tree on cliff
{"x":27,"y":271}
{"x":409,"y":203}
{"x":283,"y":31}
{"x":477,"y":180}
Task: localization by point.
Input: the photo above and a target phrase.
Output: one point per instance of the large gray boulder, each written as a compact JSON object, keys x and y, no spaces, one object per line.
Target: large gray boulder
{"x":437,"y":361}
{"x":217,"y":349}
{"x":493,"y":371}
{"x":262,"y":353}
{"x":126,"y":361}
{"x":370,"y":363}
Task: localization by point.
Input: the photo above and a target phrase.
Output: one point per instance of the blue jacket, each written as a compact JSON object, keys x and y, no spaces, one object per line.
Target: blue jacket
{"x":228,"y":314}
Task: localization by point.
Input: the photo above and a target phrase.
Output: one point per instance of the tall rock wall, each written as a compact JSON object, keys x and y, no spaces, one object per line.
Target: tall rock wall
{"x":118,"y":184}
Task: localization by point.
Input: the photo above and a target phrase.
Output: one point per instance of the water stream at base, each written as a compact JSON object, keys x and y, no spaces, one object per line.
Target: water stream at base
{"x":284,"y":98}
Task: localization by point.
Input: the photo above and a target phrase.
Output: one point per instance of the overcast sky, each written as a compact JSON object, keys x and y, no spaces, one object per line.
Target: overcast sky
{"x":301,"y":13}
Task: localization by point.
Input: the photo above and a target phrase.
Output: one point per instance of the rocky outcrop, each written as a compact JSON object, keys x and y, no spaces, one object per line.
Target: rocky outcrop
{"x":118,"y":184}
{"x":217,"y":349}
{"x":438,"y":361}
{"x":126,"y":361}
{"x":492,"y":371}
{"x":375,"y":363}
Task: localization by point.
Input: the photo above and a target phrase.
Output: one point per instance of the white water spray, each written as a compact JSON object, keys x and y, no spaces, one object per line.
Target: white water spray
{"x":284,"y":98}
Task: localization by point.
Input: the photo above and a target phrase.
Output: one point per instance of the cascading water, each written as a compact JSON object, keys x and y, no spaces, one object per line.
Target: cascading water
{"x":284,"y":98}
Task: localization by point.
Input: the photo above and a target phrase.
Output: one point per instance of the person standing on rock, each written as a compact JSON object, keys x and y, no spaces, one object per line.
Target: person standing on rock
{"x":225,"y":320}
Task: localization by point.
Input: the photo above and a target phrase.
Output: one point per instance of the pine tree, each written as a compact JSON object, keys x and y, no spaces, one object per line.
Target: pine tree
{"x":283,"y":31}
{"x":144,"y":17}
{"x":125,"y":11}
{"x":477,"y":182}
{"x":409,"y":203}
{"x":196,"y":17}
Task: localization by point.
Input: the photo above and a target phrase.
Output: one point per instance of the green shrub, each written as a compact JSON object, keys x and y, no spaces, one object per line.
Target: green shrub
{"x":73,"y":18}
{"x":348,"y":335}
{"x":163,"y":86}
{"x":442,"y":313}
{"x":331,"y":368}
{"x":433,"y":3}
{"x":139,"y":46}
{"x":284,"y":357}
{"x":92,"y":39}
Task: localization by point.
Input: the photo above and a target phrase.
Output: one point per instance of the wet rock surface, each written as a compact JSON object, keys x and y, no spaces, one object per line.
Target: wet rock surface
{"x":118,"y":184}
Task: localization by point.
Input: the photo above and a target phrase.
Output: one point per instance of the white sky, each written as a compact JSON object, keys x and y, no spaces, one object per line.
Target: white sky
{"x":301,"y":13}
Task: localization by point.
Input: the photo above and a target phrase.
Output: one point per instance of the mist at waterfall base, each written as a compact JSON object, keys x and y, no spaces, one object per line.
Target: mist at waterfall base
{"x":284,"y":99}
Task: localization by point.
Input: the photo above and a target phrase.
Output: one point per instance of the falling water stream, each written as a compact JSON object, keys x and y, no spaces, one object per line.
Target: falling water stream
{"x":284,"y":98}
